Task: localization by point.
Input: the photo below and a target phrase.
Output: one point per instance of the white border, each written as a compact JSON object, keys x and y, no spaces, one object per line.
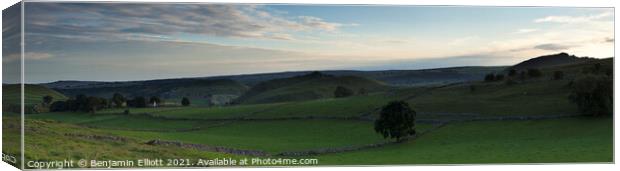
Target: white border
{"x":557,"y":3}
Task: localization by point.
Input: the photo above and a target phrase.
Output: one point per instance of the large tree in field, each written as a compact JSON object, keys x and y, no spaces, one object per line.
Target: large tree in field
{"x":118,"y":99}
{"x":185,"y":101}
{"x":397,"y":120}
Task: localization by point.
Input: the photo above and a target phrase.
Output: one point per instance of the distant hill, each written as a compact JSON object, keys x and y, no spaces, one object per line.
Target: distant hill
{"x":550,"y":61}
{"x":214,"y":91}
{"x":391,"y":77}
{"x":33,"y":96}
{"x":314,"y":85}
{"x":11,"y":93}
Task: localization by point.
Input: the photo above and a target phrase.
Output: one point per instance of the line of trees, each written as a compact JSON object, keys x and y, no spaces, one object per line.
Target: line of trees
{"x":83,"y":103}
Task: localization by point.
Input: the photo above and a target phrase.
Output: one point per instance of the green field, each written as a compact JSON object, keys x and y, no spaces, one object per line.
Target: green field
{"x":550,"y":141}
{"x":50,"y":141}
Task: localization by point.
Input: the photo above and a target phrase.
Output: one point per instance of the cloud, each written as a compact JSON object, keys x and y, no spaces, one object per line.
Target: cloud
{"x":552,"y":47}
{"x":314,"y":22}
{"x":27,"y":56}
{"x":523,"y":31}
{"x":156,"y":21}
{"x":572,"y":19}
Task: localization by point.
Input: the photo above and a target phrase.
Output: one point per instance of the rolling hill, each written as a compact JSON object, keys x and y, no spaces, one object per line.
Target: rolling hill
{"x":391,"y":77}
{"x":550,"y":61}
{"x":33,"y":94}
{"x":214,"y":91}
{"x":306,"y":87}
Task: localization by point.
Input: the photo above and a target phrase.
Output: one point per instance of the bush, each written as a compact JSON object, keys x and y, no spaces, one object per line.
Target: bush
{"x":342,"y":92}
{"x":396,"y":120}
{"x":593,"y":95}
{"x":185,"y":101}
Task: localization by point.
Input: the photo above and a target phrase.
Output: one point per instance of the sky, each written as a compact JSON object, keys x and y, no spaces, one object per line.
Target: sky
{"x":120,"y":41}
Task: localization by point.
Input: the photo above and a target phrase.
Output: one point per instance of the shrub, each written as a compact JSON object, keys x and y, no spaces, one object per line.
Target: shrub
{"x":396,"y":120}
{"x":593,"y":95}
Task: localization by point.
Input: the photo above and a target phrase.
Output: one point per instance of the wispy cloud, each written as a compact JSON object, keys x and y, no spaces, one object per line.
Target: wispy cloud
{"x":27,"y":56}
{"x":572,"y":19}
{"x":155,"y":21}
{"x":552,"y":47}
{"x":526,"y":30}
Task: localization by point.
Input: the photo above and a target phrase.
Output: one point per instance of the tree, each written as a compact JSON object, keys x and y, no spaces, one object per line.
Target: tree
{"x":489,"y":77}
{"x":396,"y":120}
{"x":154,"y":100}
{"x":47,"y":99}
{"x":118,"y":99}
{"x":558,"y":75}
{"x":185,"y":101}
{"x":342,"y":92}
{"x":593,"y":95}
{"x":533,"y":72}
{"x":95,"y":103}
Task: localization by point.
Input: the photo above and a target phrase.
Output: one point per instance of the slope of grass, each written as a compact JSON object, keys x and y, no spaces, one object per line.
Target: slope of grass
{"x":33,"y":94}
{"x":275,"y":136}
{"x":215,"y":112}
{"x":549,"y":141}
{"x":332,"y":107}
{"x":46,"y":141}
{"x":535,"y":98}
{"x":122,"y":122}
{"x":306,"y":87}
